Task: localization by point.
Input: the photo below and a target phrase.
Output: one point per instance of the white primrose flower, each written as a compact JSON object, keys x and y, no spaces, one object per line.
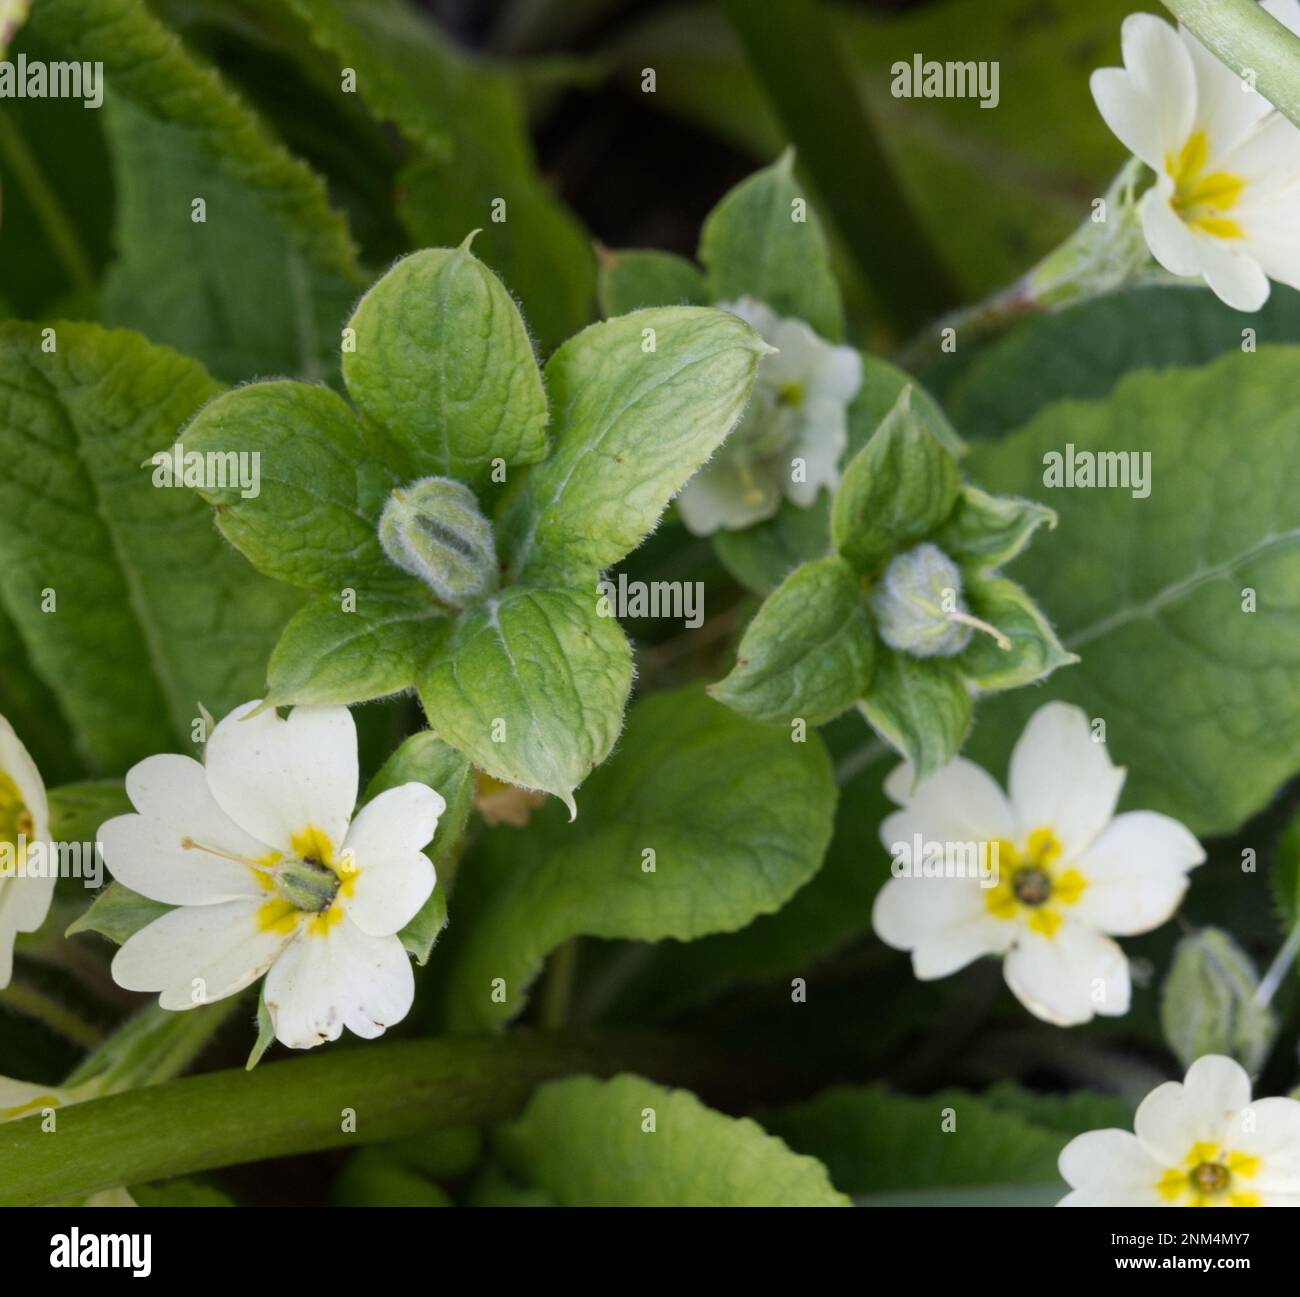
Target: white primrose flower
{"x":1069,"y":871}
{"x":271,"y":874}
{"x":1226,"y":203}
{"x":24,"y":821}
{"x":799,"y":411}
{"x":1200,"y":1142}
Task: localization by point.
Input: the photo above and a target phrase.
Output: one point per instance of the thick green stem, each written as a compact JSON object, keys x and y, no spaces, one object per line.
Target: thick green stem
{"x":300,"y":1105}
{"x":798,"y":55}
{"x":1251,"y":42}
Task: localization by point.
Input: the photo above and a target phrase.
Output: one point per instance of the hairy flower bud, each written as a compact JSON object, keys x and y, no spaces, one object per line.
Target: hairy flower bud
{"x":1208,"y":1002}
{"x":914,"y":603}
{"x":435,"y":530}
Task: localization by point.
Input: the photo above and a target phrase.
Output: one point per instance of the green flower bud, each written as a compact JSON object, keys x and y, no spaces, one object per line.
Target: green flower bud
{"x":1208,"y":1005}
{"x":915,"y":602}
{"x":307,"y":886}
{"x":435,"y":530}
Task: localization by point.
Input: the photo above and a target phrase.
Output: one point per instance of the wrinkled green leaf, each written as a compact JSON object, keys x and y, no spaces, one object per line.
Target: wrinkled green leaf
{"x":153,"y":614}
{"x":630,"y":426}
{"x":808,"y":653}
{"x":531,"y":685}
{"x":898,"y":488}
{"x":735,"y":817}
{"x":922,"y":707}
{"x":443,"y":362}
{"x":763,"y":240}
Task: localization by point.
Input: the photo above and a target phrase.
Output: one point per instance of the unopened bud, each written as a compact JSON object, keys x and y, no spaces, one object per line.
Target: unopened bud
{"x":915,"y":604}
{"x":435,"y":530}
{"x":1208,"y":1003}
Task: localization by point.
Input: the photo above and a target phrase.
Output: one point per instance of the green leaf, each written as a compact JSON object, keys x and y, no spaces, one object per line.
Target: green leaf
{"x":897,"y":489}
{"x":531,"y":685}
{"x":145,"y":63}
{"x":808,"y":653}
{"x":232,"y":290}
{"x":1034,"y":650}
{"x":585,"y":1142}
{"x":118,"y":913}
{"x":29,"y":706}
{"x":372,"y":1178}
{"x":324,"y":481}
{"x":1207,"y":1004}
{"x":764,"y":241}
{"x":832,"y":908}
{"x":472,"y":151}
{"x":733,"y":816}
{"x":631,"y":426}
{"x":152,"y":614}
{"x":77,"y":810}
{"x":1285,"y":878}
{"x":265,"y":1031}
{"x":1085,"y":350}
{"x":921,"y":707}
{"x":1201,"y":697}
{"x":443,"y":362}
{"x":327,"y":655}
{"x":762,"y":556}
{"x":876,"y":1142}
{"x":985,"y":531}
{"x":629,"y":280}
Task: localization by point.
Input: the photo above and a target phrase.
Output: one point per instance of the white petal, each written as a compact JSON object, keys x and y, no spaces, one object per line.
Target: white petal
{"x":1062,"y":780}
{"x":758,"y":315}
{"x":1162,"y":70}
{"x":718,"y":498}
{"x":1225,"y":110}
{"x":1126,"y":108}
{"x":1067,"y":978}
{"x":944,"y":922}
{"x":145,"y":853}
{"x":1172,"y":244}
{"x":838,"y":375}
{"x":959,"y":803}
{"x":397,"y":823}
{"x":277,"y":778}
{"x":823,"y":437}
{"x":24,"y":902}
{"x":1136,"y":873}
{"x":1270,"y":1129}
{"x":222,"y":946}
{"x":1235,"y":277}
{"x":340,"y":978}
{"x":1112,"y":1168}
{"x":1176,"y":1115}
{"x":18,"y":1099}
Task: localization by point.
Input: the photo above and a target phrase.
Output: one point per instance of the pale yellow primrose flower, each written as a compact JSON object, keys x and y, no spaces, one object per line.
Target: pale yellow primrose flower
{"x":1226,"y":203}
{"x":799,"y":411}
{"x":1199,"y":1142}
{"x":271,"y":873}
{"x":1070,"y":872}
{"x":24,"y":820}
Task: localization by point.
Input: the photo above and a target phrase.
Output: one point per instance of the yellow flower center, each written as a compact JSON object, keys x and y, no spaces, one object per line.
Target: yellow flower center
{"x":16,"y":822}
{"x":1210,"y":1177}
{"x":303,"y":886}
{"x":1032,"y":886}
{"x":1201,"y":198}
